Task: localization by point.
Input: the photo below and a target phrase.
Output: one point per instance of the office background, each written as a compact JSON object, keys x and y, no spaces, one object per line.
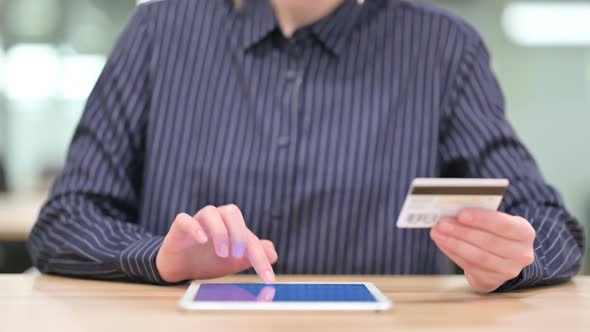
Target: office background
{"x":52,"y":51}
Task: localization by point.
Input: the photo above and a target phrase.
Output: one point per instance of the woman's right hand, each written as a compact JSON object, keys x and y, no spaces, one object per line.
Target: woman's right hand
{"x":213,"y":243}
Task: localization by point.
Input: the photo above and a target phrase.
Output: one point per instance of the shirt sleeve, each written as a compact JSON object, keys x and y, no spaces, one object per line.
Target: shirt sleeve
{"x":477,"y":141}
{"x":89,"y":226}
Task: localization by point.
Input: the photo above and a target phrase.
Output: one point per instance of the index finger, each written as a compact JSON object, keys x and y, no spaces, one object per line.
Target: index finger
{"x":495,"y":222}
{"x":258,"y":259}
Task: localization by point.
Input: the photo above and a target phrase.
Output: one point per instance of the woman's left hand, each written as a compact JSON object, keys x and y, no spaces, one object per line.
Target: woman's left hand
{"x":491,"y":247}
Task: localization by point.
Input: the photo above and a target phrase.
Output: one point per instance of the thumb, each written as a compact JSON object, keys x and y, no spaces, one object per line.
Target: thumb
{"x":184,"y":232}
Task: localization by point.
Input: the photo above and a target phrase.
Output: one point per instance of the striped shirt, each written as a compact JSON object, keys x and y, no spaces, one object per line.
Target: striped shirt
{"x":316,"y":138}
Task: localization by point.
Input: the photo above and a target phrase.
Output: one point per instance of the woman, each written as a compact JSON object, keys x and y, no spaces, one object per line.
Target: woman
{"x":215,"y":123}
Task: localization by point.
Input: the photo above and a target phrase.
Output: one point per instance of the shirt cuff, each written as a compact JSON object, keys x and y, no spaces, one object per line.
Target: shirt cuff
{"x":531,"y":276}
{"x":138,"y":260}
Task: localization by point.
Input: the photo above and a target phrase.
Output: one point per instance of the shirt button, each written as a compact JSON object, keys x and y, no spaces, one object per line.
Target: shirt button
{"x":276,"y":213}
{"x":291,"y":75}
{"x":283,"y":141}
{"x":295,"y":51}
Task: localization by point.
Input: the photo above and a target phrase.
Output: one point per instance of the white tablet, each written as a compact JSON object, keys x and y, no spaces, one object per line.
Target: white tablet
{"x":284,"y":296}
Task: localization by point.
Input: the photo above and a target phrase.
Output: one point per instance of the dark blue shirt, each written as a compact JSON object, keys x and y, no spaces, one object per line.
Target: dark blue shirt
{"x":316,"y":138}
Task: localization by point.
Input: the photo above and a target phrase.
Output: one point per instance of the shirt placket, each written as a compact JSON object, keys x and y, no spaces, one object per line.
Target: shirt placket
{"x":287,"y":139}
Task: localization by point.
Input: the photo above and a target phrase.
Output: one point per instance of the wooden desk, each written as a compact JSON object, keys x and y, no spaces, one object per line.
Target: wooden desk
{"x":18,"y":214}
{"x":43,"y":303}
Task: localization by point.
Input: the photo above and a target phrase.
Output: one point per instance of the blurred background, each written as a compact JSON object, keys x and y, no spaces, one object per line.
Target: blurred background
{"x":52,"y":51}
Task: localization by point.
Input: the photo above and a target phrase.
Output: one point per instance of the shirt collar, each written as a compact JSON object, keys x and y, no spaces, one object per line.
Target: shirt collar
{"x":335,"y":29}
{"x":332,"y":31}
{"x":258,"y":20}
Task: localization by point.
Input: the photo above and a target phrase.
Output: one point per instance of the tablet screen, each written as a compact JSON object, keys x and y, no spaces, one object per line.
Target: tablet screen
{"x":284,"y":293}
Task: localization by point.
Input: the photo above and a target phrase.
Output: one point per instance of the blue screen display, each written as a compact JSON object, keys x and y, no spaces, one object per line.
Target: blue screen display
{"x":284,"y":293}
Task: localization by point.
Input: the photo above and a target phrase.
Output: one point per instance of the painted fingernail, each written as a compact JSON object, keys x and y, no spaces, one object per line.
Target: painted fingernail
{"x":238,"y":250}
{"x":223,"y":249}
{"x":269,"y":277}
{"x":201,"y":237}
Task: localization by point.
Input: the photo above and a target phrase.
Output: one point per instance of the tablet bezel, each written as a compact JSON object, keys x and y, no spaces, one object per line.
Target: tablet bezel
{"x":382,"y":301}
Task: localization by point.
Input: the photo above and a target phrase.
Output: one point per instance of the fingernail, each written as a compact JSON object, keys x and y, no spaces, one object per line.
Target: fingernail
{"x":201,"y":237}
{"x":223,"y":250}
{"x":439,"y":236}
{"x":238,"y":250}
{"x":269,"y":277}
{"x":466,"y":217}
{"x":445,"y":227}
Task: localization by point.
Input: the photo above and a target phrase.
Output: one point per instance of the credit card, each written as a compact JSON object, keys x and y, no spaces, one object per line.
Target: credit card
{"x":431,"y":199}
